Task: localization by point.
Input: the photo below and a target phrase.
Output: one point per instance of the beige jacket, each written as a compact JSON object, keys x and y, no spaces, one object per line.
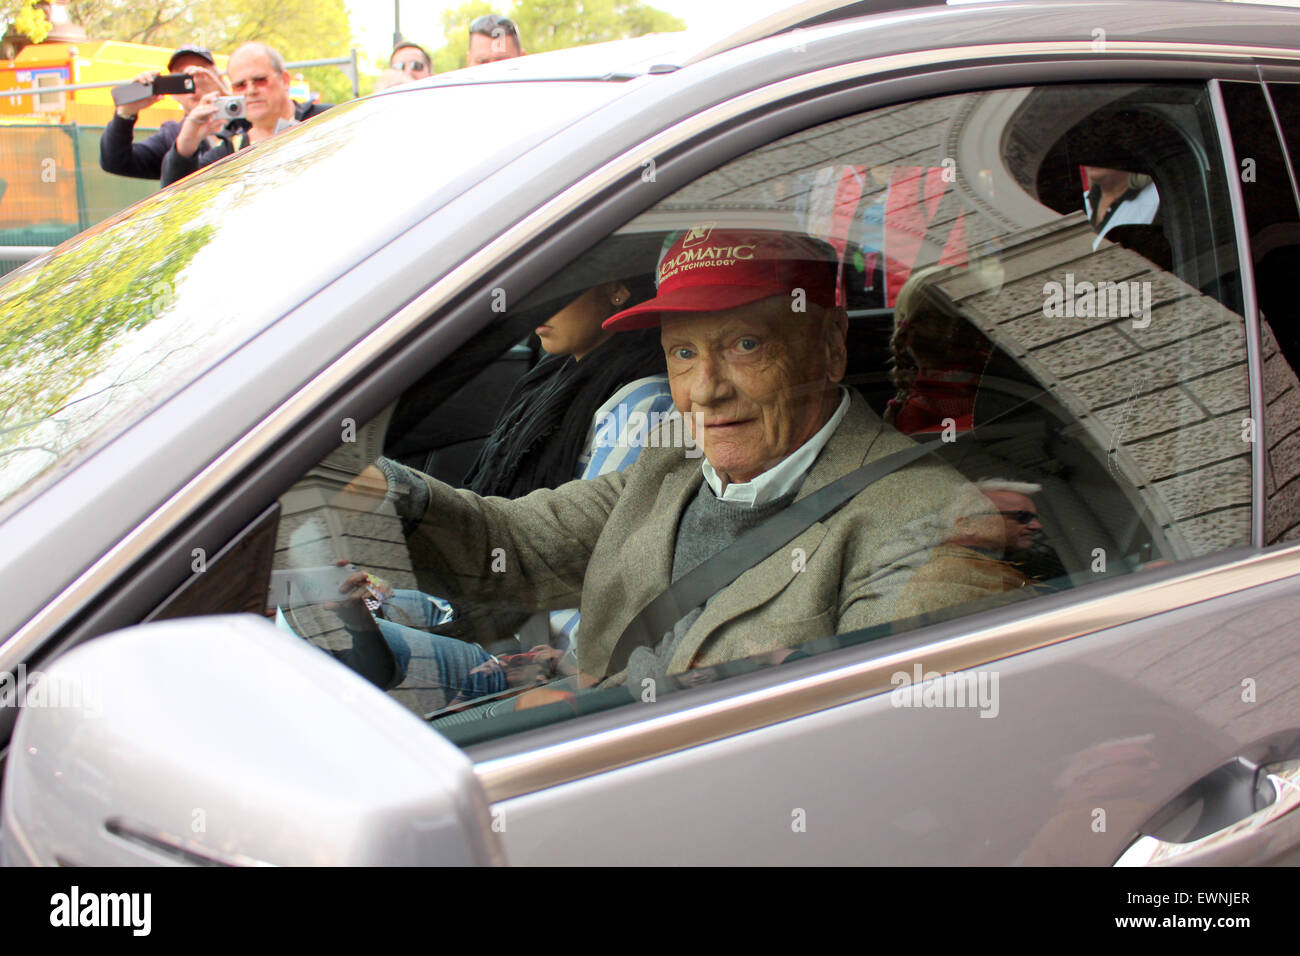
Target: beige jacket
{"x":966,"y":575}
{"x":606,"y":545}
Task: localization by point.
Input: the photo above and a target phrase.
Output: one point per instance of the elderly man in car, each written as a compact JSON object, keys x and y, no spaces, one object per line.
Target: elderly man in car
{"x":755,"y":349}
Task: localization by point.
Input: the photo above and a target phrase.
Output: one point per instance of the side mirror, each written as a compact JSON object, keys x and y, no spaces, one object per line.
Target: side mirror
{"x":223,"y":740}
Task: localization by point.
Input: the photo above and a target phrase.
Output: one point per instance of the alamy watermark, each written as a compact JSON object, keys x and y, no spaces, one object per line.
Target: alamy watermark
{"x":636,"y":429}
{"x":974,"y":689}
{"x":1087,"y":300}
{"x":75,"y":908}
{"x":37,"y":689}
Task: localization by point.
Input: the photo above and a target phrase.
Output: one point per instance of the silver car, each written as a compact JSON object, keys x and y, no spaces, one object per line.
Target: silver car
{"x":1066,"y":235}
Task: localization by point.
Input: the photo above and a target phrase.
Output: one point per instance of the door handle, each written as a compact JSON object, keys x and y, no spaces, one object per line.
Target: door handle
{"x":1240,"y":813}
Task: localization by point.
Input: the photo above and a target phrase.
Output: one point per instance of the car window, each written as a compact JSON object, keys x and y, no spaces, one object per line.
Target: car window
{"x":97,"y":334}
{"x":1039,"y":284}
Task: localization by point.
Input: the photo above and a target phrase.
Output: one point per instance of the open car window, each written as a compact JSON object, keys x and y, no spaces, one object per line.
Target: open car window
{"x":1042,"y":282}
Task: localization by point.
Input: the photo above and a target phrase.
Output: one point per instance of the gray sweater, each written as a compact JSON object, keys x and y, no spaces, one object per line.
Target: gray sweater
{"x":708,"y":526}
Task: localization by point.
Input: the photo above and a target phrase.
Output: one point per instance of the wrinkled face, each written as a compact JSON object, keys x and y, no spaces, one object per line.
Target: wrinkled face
{"x":1019,"y":519}
{"x":266,"y":92}
{"x":754,"y":382}
{"x":205,"y":80}
{"x":575,"y":330}
{"x":412,"y":61}
{"x":485,"y":49}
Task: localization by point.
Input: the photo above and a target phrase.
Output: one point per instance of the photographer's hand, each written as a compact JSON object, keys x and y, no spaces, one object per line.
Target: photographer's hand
{"x":212,"y":75}
{"x":131,"y":110}
{"x":200,"y":121}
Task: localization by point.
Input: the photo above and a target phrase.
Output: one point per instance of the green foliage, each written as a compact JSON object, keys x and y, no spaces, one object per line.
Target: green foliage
{"x":455,"y":27}
{"x":60,"y":325}
{"x":554,"y":25}
{"x":329,"y":81}
{"x":78,"y":303}
{"x":299,"y":29}
{"x":557,"y":24}
{"x":109,"y":324}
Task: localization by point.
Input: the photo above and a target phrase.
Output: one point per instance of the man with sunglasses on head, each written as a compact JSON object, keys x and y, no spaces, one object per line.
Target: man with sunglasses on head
{"x":257,"y":72}
{"x":409,"y":62}
{"x":493,"y":37}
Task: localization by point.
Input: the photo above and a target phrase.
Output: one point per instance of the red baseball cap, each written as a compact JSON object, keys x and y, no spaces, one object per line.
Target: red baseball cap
{"x":708,"y":270}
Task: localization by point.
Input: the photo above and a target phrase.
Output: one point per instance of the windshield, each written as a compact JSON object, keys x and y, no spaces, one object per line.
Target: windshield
{"x":108,"y":326}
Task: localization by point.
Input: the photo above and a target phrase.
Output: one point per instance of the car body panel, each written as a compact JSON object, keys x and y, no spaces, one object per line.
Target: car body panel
{"x":1119,"y":721}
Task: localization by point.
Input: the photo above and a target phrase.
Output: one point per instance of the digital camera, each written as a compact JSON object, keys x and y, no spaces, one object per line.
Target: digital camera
{"x":229,"y":107}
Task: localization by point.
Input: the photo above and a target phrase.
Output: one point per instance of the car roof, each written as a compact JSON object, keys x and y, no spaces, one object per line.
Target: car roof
{"x":662,"y":52}
{"x":898,"y":26}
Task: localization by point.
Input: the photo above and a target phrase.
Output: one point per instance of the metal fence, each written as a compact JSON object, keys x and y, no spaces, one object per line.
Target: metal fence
{"x":51,"y":187}
{"x":348,"y":64}
{"x":11,"y":257}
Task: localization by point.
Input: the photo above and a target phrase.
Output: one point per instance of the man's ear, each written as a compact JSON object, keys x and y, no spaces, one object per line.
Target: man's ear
{"x":837,"y":350}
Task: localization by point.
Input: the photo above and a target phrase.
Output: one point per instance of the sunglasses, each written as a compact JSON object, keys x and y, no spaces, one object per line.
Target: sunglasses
{"x":410,"y":66}
{"x":257,"y":82}
{"x":491,"y":22}
{"x":1023,"y":517}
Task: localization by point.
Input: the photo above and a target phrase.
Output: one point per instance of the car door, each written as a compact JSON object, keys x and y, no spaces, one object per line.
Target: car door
{"x":1093,"y":717}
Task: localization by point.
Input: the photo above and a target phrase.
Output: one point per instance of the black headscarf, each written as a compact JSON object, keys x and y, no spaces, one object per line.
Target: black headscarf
{"x":543,"y":429}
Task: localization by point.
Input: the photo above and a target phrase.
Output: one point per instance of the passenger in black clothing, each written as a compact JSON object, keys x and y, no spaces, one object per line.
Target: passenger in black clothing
{"x":257,"y":72}
{"x":547,"y":423}
{"x":119,"y":154}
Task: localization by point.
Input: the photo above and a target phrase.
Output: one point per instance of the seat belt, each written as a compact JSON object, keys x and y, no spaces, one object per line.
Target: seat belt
{"x":694,"y":588}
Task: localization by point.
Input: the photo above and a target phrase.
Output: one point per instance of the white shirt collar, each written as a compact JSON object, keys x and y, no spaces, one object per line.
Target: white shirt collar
{"x":783,"y":477}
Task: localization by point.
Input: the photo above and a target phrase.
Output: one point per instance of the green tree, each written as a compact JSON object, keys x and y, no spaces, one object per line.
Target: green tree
{"x":113,"y":322}
{"x":455,"y":28}
{"x":299,"y":29}
{"x":59,"y":327}
{"x":554,"y":25}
